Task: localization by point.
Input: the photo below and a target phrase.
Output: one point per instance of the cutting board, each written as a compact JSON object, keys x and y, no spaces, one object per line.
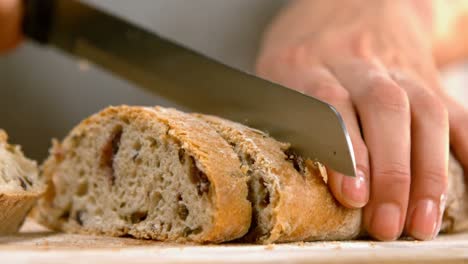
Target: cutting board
{"x":35,"y":244}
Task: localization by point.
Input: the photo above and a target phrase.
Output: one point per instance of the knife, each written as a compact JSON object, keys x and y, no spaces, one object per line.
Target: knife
{"x":200,"y":84}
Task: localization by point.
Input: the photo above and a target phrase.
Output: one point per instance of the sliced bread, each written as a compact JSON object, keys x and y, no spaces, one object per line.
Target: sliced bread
{"x":455,"y":217}
{"x":19,"y":186}
{"x":150,"y":173}
{"x":161,"y":174}
{"x":289,"y":195}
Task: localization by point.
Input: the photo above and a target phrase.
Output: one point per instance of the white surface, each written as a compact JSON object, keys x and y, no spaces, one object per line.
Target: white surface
{"x":35,"y":245}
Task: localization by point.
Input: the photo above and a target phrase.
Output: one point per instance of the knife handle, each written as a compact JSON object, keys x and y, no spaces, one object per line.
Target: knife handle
{"x":37,"y":20}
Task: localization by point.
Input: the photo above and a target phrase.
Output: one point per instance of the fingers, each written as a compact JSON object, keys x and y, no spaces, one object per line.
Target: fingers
{"x":10,"y":24}
{"x":352,"y":192}
{"x":308,"y":76}
{"x":405,"y":127}
{"x":429,"y":161}
{"x":385,"y":114}
{"x":384,"y":111}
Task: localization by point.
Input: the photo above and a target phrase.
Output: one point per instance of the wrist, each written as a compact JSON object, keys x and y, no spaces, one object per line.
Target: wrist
{"x":448,"y":23}
{"x":425,"y":11}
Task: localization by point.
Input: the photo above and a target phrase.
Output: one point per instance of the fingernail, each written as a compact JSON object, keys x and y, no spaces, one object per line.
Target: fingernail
{"x":385,"y":223}
{"x":424,"y":220}
{"x":443,"y":200}
{"x":354,"y":189}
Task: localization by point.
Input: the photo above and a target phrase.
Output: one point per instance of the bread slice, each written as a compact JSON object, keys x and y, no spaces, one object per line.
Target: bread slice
{"x":19,"y":186}
{"x":289,"y":195}
{"x":455,"y":218}
{"x":151,"y":173}
{"x":290,"y":198}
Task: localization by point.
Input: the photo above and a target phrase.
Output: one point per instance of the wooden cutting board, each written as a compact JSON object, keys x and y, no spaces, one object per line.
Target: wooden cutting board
{"x":35,"y":244}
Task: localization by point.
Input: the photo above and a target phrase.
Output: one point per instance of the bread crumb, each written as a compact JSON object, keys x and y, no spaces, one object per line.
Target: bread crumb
{"x":45,"y":244}
{"x":269,"y":247}
{"x":301,"y":243}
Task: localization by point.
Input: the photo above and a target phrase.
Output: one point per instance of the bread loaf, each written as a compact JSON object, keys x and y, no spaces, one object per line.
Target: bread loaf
{"x":150,"y":173}
{"x":19,"y":186}
{"x":162,"y":174}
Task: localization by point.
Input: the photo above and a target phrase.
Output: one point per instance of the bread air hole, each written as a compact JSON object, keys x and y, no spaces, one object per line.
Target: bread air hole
{"x":255,"y":231}
{"x":82,"y":189}
{"x":246,"y":159}
{"x":189,"y":231}
{"x":65,"y":215}
{"x":263,"y":193}
{"x":79,"y":217}
{"x":23,"y":184}
{"x":136,"y":152}
{"x":110,"y":149}
{"x":198,"y":178}
{"x":138,"y":216}
{"x":182,"y":210}
{"x":156,"y":197}
{"x":296,"y":160}
{"x":181,"y":156}
{"x":153,"y":143}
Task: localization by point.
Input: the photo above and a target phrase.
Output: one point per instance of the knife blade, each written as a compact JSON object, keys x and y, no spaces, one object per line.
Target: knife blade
{"x":200,"y":84}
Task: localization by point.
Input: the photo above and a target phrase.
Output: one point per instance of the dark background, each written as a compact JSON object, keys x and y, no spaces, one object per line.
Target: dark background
{"x":43,"y":94}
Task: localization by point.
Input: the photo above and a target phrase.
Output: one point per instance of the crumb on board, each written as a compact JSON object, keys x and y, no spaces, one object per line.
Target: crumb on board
{"x":338,"y":247}
{"x":269,"y":247}
{"x":300,"y":244}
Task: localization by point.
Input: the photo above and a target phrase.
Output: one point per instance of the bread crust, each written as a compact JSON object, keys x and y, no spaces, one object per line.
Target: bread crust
{"x":222,"y":166}
{"x":455,"y":217}
{"x":305,"y":210}
{"x":232,"y":212}
{"x":15,"y":204}
{"x":14,"y":208}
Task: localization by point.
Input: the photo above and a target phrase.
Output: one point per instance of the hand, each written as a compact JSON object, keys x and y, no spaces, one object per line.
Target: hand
{"x":373,"y":61}
{"x":10,"y":24}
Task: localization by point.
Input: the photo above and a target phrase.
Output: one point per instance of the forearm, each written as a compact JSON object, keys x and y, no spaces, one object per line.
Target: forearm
{"x":444,"y":22}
